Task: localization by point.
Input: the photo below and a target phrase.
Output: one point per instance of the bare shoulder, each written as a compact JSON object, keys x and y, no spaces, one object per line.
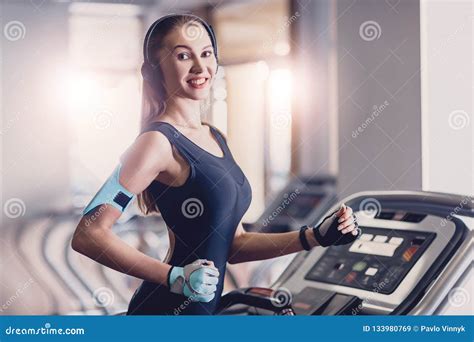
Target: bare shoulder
{"x":150,"y":154}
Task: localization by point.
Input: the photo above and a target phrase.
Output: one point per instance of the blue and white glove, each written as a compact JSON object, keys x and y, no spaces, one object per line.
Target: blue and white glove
{"x":197,"y":280}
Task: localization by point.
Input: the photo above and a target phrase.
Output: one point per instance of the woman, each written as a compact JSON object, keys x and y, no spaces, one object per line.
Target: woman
{"x":185,"y":170}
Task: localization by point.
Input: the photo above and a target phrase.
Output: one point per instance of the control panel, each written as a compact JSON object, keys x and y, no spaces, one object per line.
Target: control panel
{"x":383,"y":267}
{"x":377,"y":261}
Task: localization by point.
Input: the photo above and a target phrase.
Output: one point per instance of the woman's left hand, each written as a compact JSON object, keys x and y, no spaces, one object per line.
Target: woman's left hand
{"x":339,"y":228}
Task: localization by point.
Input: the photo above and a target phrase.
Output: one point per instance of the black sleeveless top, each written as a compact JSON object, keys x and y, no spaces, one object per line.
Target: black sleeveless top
{"x":203,"y":214}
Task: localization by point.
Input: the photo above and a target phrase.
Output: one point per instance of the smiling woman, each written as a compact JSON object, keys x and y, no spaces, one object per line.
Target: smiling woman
{"x":180,"y":62}
{"x":185,"y":170}
{"x":168,"y":54}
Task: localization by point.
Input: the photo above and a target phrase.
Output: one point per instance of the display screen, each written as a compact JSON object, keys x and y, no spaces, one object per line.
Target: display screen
{"x":377,"y":261}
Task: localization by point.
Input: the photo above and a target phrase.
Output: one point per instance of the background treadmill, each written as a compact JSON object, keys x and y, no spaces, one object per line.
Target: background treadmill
{"x":302,"y":201}
{"x":414,"y":251}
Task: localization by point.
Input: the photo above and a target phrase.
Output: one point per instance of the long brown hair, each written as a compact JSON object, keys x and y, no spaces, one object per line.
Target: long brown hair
{"x":154,"y":96}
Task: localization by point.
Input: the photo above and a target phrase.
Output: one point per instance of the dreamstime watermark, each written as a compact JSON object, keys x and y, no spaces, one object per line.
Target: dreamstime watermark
{"x":370,"y":30}
{"x":184,"y":305}
{"x":367,"y":300}
{"x":450,"y":39}
{"x":377,"y":110}
{"x":281,"y":119}
{"x":458,"y":119}
{"x":267,"y":44}
{"x":370,"y":207}
{"x":12,"y":299}
{"x":192,"y":208}
{"x":102,"y":119}
{"x":458,"y":296}
{"x":103,"y":297}
{"x":281,"y":297}
{"x":458,"y":208}
{"x":285,"y":203}
{"x":192,"y":30}
{"x":8,"y":124}
{"x":95,"y":215}
{"x":14,"y":30}
{"x":14,"y":208}
{"x":46,"y":330}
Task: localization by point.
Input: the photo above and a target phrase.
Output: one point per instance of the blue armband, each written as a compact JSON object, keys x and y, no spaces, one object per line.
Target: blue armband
{"x":113,"y":193}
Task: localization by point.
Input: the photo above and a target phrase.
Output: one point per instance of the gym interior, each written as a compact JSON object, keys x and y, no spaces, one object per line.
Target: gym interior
{"x":362,"y":102}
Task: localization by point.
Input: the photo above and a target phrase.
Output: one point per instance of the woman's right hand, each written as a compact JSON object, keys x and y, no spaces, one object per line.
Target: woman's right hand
{"x":197,"y":281}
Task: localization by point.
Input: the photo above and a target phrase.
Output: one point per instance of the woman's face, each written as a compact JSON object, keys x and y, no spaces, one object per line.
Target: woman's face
{"x":187,"y":62}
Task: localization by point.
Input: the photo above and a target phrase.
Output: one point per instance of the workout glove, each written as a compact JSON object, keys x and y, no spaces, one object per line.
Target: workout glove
{"x":327,"y":234}
{"x":197,"y":280}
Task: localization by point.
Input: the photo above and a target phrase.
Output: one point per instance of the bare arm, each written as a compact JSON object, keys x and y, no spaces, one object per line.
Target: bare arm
{"x":143,"y":161}
{"x":249,"y":246}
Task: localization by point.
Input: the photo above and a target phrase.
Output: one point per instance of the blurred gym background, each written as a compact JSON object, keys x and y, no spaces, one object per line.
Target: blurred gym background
{"x":357,"y":94}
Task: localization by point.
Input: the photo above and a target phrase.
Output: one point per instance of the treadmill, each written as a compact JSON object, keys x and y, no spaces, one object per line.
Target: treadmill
{"x":415,"y":249}
{"x":301,"y":201}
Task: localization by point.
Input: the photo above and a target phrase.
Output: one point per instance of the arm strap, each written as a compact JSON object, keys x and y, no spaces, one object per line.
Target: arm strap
{"x":112,"y":192}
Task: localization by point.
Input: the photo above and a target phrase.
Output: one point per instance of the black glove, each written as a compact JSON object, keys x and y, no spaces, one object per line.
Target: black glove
{"x":327,"y":234}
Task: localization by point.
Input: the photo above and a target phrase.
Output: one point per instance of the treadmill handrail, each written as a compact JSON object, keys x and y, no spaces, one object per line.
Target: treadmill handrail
{"x":435,"y":198}
{"x":262,"y":298}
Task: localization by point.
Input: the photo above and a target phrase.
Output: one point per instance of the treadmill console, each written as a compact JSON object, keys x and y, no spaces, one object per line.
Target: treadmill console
{"x":398,"y":265}
{"x":377,"y":261}
{"x":397,"y":255}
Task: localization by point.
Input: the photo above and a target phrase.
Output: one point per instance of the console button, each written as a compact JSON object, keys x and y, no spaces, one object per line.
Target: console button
{"x":381,"y":238}
{"x":371,"y":271}
{"x":396,"y":240}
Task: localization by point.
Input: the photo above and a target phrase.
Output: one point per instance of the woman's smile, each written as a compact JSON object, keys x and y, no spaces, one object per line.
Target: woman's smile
{"x":198,"y":82}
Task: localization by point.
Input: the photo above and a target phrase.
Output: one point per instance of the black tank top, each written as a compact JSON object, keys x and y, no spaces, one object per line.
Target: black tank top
{"x":203,"y":214}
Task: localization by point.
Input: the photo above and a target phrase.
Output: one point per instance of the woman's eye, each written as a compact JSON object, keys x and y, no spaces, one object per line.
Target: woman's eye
{"x":207,"y":53}
{"x":183,"y":56}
